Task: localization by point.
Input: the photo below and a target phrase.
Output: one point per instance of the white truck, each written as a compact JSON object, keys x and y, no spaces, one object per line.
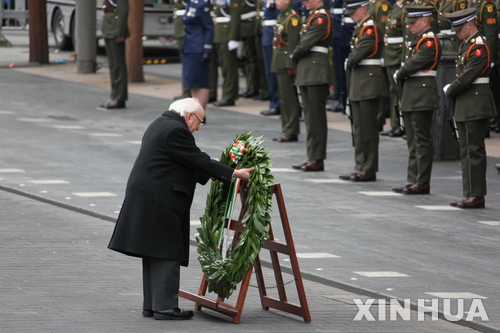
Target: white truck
{"x":158,"y":21}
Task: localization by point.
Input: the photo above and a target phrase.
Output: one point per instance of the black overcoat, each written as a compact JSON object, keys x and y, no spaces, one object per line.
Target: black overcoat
{"x":154,"y":218}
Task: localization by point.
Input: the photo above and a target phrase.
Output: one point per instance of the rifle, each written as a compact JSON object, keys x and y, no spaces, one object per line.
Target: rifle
{"x":347,"y":105}
{"x":451,"y":121}
{"x":399,"y":113}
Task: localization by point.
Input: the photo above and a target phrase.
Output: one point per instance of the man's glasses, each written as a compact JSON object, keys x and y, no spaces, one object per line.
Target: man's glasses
{"x":201,"y":122}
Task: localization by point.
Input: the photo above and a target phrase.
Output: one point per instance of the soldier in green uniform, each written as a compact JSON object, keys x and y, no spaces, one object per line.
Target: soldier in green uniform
{"x":179,"y":11}
{"x":286,"y":38}
{"x":473,"y":106}
{"x":366,"y":85}
{"x":114,"y":32}
{"x":224,"y":30}
{"x":393,"y":51}
{"x":379,"y":10}
{"x":314,"y":76}
{"x":419,"y":98}
{"x":245,"y":25}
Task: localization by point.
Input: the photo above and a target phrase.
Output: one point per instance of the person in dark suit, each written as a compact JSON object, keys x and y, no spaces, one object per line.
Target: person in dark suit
{"x":114,"y":32}
{"x":154,"y":220}
{"x":474,"y":105}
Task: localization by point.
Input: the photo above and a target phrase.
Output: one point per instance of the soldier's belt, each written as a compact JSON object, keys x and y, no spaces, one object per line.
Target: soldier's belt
{"x":180,"y":12}
{"x":447,"y":32}
{"x":481,"y":80}
{"x":222,"y":19}
{"x":267,"y":23}
{"x":420,"y":74}
{"x":247,"y":16}
{"x":368,"y":62}
{"x":337,"y":11}
{"x":320,"y":49}
{"x":394,"y":40}
{"x":109,"y":9}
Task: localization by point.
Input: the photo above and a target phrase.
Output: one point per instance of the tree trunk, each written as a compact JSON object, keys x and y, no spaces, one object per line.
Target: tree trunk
{"x":134,"y":43}
{"x":39,"y":43}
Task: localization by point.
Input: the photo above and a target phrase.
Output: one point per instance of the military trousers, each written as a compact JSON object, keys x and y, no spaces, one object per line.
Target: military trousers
{"x":366,"y":134}
{"x":251,"y":65}
{"x":160,"y":281}
{"x":213,"y":75}
{"x":420,"y":148}
{"x":314,"y":107}
{"x":228,"y":61}
{"x":289,"y":104}
{"x":117,"y":69}
{"x":473,"y":156}
{"x":261,"y":69}
{"x":393,"y":95}
{"x":340,"y":54}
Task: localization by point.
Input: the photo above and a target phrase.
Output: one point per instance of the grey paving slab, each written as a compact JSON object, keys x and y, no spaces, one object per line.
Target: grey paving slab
{"x":58,"y":276}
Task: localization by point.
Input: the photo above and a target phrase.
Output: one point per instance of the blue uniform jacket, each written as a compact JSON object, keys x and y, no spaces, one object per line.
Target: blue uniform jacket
{"x":198,"y":28}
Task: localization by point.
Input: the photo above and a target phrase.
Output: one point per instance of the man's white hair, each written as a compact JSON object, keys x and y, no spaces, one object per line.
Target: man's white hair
{"x":185,"y":106}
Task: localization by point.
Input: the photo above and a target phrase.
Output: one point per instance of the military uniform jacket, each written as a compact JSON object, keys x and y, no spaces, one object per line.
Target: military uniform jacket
{"x":114,"y":24}
{"x":179,"y":10}
{"x":365,"y":74}
{"x":393,"y":36}
{"x":311,"y":55}
{"x":420,"y":92}
{"x":224,"y":22}
{"x":245,"y":21}
{"x":486,"y":13}
{"x":448,"y":7}
{"x":198,"y":28}
{"x":342,"y":25}
{"x":286,"y":39}
{"x":379,"y":10}
{"x":470,"y":89}
{"x":154,"y":219}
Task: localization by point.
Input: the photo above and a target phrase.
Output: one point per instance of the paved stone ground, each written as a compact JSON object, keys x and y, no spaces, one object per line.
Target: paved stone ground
{"x":58,"y":276}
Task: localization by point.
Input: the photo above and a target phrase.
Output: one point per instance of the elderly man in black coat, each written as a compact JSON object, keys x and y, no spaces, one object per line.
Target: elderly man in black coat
{"x":154,"y":220}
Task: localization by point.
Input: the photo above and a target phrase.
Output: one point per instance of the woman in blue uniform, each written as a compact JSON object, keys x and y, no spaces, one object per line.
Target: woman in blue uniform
{"x":196,"y":49}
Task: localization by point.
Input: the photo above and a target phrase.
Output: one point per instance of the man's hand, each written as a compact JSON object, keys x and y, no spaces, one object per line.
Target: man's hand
{"x":243,"y":173}
{"x":290,"y":72}
{"x":120,"y":39}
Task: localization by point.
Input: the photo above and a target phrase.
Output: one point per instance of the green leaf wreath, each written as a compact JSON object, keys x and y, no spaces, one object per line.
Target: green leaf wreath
{"x":224,"y":275}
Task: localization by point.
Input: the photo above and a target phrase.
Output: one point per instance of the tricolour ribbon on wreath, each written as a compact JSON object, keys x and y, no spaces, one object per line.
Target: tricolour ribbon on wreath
{"x":235,"y":154}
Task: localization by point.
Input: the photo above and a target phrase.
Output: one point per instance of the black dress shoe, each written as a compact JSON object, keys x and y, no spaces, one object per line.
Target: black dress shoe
{"x":287,"y":138}
{"x":224,"y":102}
{"x":249,"y":94}
{"x":347,"y":176}
{"x":418,"y":188}
{"x":397,"y":133}
{"x":399,"y":189}
{"x":148,"y":313}
{"x":387,"y":132}
{"x":336,"y":108}
{"x":314,"y":165}
{"x":173,"y":314}
{"x":270,"y":112}
{"x":113,"y":105}
{"x":471,"y":202}
{"x":302,"y":164}
{"x":364,"y":176}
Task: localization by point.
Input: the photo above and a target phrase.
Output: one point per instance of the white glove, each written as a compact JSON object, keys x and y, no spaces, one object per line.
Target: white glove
{"x":382,"y":62}
{"x":240,"y":51}
{"x":445,"y":88}
{"x":345,"y":65}
{"x":395,"y":76}
{"x":232,"y":45}
{"x":492,"y":65}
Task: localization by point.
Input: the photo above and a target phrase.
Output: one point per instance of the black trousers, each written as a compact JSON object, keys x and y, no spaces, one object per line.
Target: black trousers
{"x":160,"y":280}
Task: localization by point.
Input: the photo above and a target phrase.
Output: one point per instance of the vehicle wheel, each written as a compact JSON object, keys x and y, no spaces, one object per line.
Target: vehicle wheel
{"x":62,"y":41}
